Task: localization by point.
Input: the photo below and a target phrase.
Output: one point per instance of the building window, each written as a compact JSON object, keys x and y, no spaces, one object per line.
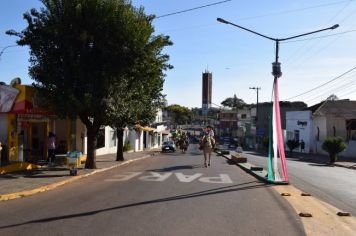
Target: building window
{"x":243,"y":116}
{"x":334,"y":131}
{"x":318,"y":134}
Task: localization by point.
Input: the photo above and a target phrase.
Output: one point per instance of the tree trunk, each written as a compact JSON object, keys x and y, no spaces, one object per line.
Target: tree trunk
{"x":332,"y":158}
{"x":120,"y":144}
{"x":90,"y":162}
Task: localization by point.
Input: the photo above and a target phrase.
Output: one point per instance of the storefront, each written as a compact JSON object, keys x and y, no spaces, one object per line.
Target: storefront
{"x":25,"y":127}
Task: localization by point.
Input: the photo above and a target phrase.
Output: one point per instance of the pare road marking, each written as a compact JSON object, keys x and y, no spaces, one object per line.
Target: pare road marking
{"x":160,"y":177}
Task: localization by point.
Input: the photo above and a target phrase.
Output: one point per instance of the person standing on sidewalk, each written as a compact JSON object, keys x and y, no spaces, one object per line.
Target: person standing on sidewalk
{"x":51,"y":143}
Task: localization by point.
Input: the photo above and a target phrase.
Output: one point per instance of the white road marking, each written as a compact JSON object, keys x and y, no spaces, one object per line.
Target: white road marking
{"x":187,"y":178}
{"x":183,"y":178}
{"x":124,"y":177}
{"x":156,"y":177}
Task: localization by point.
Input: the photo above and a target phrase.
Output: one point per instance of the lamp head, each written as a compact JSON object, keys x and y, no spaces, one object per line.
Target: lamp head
{"x":222,"y":20}
{"x":334,"y":26}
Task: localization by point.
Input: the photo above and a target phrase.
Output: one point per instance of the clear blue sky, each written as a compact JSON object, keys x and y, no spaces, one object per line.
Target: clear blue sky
{"x":237,"y":59}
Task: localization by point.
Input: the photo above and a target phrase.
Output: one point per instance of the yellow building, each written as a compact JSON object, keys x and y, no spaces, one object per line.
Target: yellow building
{"x":24,"y":128}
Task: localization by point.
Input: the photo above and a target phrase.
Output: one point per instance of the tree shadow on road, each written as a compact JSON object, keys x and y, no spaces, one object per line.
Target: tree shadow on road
{"x":227,"y":189}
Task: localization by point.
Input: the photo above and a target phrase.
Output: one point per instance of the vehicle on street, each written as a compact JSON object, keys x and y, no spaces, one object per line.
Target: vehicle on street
{"x":168,"y":146}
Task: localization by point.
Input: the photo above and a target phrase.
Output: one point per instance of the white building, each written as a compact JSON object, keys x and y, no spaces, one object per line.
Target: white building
{"x":327,"y":119}
{"x":140,"y":138}
{"x":299,"y":127}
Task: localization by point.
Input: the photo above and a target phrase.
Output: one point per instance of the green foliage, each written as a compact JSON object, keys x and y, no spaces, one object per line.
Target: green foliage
{"x":96,"y":59}
{"x":127,"y":147}
{"x":292,"y":144}
{"x":334,"y":145}
{"x":179,"y":115}
{"x":233,"y":102}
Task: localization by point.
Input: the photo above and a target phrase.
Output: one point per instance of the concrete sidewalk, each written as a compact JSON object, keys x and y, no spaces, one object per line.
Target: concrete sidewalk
{"x":19,"y":184}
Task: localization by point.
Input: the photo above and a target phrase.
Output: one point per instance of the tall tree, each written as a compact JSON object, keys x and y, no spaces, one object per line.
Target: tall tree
{"x":179,"y":115}
{"x":233,"y":102}
{"x":142,"y":89}
{"x":138,"y":108}
{"x":79,"y":50}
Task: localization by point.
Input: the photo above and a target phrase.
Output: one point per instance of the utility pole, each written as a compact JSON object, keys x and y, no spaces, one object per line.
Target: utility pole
{"x":278,"y":143}
{"x":257,"y":89}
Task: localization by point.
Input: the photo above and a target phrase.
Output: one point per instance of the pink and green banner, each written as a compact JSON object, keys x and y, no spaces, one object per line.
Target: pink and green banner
{"x":276,"y":143}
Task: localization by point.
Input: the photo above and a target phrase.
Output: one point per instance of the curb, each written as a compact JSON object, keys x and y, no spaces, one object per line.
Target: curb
{"x":260,"y":175}
{"x":353,"y":167}
{"x":10,"y":196}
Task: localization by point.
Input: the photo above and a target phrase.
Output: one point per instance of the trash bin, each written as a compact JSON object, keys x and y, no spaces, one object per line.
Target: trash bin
{"x":73,"y":162}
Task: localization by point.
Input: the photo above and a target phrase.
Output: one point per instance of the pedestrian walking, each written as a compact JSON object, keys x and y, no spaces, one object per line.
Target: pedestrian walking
{"x":207,"y":144}
{"x":51,"y":144}
{"x":302,"y":146}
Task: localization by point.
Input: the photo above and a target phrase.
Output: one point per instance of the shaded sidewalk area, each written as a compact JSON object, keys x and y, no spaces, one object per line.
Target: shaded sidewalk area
{"x":34,"y":180}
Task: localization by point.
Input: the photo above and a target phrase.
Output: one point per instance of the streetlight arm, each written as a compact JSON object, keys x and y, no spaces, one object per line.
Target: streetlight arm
{"x":330,"y":28}
{"x":4,"y":48}
{"x":251,"y":31}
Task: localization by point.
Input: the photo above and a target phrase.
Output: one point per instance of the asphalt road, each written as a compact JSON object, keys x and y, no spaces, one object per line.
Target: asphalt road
{"x":332,"y":184}
{"x":168,"y":194}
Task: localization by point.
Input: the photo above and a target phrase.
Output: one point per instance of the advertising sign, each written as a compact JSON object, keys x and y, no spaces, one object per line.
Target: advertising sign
{"x":7,"y":97}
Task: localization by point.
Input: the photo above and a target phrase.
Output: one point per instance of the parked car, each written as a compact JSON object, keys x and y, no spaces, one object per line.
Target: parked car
{"x":168,"y":146}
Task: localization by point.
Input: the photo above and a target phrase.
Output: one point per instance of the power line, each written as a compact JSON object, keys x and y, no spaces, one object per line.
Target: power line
{"x":347,"y":93}
{"x":317,"y":87}
{"x":299,"y":50}
{"x":250,"y":17}
{"x":293,"y":10}
{"x":309,"y":49}
{"x":319,"y":37}
{"x":192,"y":9}
{"x":346,"y":86}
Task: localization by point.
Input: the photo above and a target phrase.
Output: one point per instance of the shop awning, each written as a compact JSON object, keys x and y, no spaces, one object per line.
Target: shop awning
{"x":146,"y":128}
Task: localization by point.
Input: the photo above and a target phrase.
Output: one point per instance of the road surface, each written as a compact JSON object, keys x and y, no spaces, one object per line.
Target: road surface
{"x":168,"y":194}
{"x":332,"y":184}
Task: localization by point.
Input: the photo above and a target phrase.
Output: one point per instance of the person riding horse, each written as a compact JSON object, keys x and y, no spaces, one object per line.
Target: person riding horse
{"x":183,"y":143}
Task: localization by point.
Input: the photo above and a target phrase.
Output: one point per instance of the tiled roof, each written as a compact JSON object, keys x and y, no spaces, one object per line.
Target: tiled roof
{"x":340,"y":108}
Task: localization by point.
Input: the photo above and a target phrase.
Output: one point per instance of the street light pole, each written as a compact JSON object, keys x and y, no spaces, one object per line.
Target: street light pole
{"x":257,"y":89}
{"x":276,"y":72}
{"x":276,"y":65}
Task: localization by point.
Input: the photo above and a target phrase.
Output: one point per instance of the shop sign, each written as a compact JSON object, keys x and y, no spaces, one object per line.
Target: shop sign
{"x":32,"y":117}
{"x":7,"y":97}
